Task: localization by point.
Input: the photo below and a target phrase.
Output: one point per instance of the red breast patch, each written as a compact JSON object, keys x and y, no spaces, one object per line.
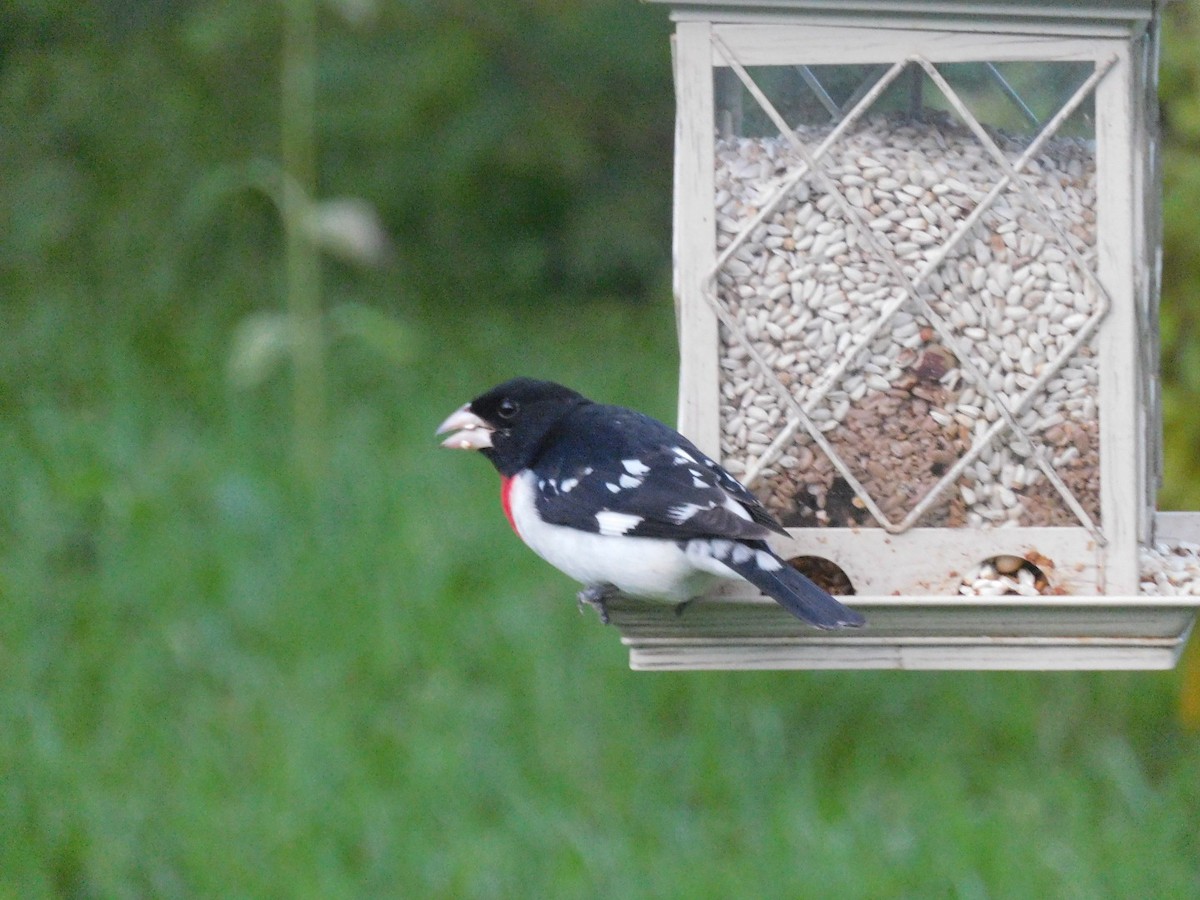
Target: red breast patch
{"x":506,"y":483}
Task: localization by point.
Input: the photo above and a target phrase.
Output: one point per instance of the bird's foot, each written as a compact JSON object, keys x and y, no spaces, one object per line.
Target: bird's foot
{"x":597,"y":596}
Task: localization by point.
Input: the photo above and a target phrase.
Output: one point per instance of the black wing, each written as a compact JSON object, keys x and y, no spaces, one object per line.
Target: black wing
{"x":615,"y":471}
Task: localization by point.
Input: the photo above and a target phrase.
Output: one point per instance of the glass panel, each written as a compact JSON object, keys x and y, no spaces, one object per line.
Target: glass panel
{"x":887,"y":276}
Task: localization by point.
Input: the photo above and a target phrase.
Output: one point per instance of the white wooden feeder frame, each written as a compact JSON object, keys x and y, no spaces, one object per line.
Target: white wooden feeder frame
{"x":907,"y":577}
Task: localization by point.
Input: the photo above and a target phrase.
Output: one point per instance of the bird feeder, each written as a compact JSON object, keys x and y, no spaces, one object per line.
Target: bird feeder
{"x":916,"y":273}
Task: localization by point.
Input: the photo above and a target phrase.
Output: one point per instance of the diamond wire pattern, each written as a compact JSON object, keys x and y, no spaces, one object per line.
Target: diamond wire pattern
{"x":836,"y":110}
{"x":915,"y":289}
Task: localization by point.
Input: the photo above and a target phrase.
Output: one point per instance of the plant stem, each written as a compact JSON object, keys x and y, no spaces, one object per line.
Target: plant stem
{"x":302,"y":263}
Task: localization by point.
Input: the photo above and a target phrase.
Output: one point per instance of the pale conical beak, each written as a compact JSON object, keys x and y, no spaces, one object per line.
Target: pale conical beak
{"x":470,"y":431}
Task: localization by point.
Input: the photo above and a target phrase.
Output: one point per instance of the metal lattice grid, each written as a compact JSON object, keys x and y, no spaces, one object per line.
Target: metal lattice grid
{"x":810,"y":77}
{"x":916,"y":291}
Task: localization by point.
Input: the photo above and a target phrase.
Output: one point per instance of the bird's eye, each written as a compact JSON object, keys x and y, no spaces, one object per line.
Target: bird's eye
{"x":508,"y":408}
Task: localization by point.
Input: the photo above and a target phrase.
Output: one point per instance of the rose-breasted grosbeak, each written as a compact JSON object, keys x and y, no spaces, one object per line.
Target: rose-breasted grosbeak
{"x":621,"y":502}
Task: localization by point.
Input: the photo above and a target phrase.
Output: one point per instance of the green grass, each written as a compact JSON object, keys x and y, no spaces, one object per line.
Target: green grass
{"x":218,"y":682}
{"x":213,"y":683}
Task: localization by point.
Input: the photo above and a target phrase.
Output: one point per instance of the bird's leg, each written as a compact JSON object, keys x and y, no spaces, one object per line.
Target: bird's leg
{"x":597,"y":597}
{"x":680,"y":607}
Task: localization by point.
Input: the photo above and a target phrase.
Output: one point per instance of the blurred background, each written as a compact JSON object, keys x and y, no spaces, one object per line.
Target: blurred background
{"x":259,"y":637}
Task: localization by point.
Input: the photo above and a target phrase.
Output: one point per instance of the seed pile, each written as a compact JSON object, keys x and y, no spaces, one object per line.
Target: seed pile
{"x":1166,"y":570}
{"x":808,"y":282}
{"x":989,"y":581}
{"x":1171,"y":569}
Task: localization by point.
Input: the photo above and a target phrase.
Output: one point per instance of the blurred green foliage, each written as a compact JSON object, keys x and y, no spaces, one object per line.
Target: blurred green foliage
{"x":216,"y":682}
{"x":508,"y":158}
{"x":1180,"y":320}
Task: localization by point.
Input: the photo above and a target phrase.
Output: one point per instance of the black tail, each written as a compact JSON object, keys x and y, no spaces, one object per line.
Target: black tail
{"x":789,"y":588}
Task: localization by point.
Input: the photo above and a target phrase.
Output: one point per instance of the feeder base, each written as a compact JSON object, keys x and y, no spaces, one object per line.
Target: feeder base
{"x":729,"y":631}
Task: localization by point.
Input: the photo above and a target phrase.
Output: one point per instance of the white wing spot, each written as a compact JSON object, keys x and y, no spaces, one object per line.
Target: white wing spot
{"x":635,"y":466}
{"x":588,"y":471}
{"x":767,"y":562}
{"x":699,"y":482}
{"x":682,"y":456}
{"x":616,"y":523}
{"x":680,"y":514}
{"x":615,"y":488}
{"x":628,"y":481}
{"x":736,"y":508}
{"x":742,"y":553}
{"x":720,"y":549}
{"x":568,"y":484}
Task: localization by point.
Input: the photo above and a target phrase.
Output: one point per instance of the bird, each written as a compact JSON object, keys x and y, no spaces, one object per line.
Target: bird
{"x":625,"y":504}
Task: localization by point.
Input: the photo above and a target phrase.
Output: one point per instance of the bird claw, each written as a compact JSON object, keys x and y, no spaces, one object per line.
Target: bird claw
{"x":597,"y":596}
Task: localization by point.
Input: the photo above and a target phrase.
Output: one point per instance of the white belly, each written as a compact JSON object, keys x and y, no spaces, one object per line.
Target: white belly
{"x":652,"y":568}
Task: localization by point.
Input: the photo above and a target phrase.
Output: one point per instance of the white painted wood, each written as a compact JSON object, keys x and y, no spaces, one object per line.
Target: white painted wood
{"x":1141,"y":656}
{"x":907,"y":9}
{"x":695,"y":236}
{"x":1085,"y":19}
{"x":1147,"y":191}
{"x":1177,"y":526}
{"x":1030,"y":27}
{"x":934,"y":560}
{"x":1122,"y":470}
{"x":742,"y":630}
{"x":910,"y":618}
{"x":786,"y":44}
{"x":909,"y":633}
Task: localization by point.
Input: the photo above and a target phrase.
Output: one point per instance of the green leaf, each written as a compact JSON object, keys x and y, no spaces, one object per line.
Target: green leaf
{"x":261,"y":342}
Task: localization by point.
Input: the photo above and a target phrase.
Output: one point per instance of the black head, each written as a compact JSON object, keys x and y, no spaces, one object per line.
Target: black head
{"x":509,"y":423}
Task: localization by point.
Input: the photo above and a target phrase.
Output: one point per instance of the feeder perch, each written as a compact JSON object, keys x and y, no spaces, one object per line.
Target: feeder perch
{"x":916,"y":274}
